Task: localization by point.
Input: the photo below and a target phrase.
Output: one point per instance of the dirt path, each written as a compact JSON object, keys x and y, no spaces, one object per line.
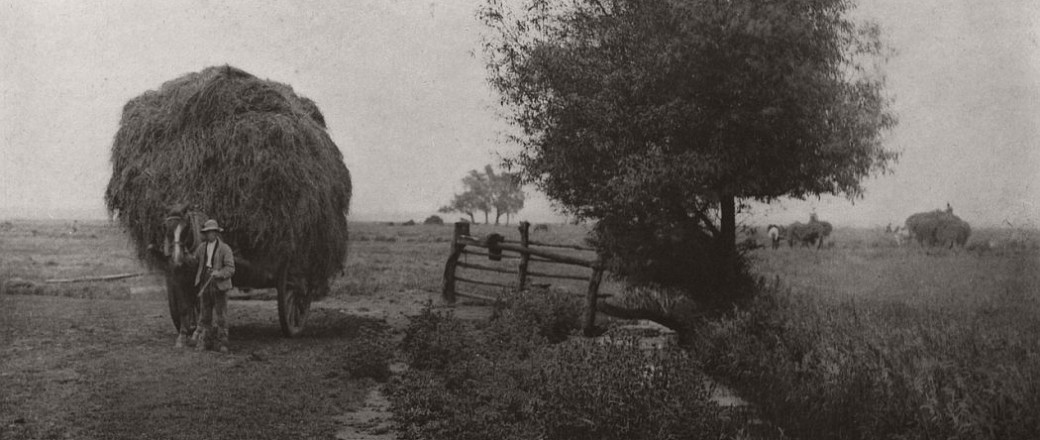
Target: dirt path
{"x":79,"y":368}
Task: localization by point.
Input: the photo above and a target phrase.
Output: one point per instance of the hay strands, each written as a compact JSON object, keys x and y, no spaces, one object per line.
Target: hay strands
{"x":97,"y":278}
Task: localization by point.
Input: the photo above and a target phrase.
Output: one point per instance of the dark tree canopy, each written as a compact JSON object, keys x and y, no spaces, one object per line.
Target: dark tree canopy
{"x":668,"y":113}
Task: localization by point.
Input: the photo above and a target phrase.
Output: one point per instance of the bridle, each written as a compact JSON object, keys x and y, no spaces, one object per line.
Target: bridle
{"x":191,"y":220}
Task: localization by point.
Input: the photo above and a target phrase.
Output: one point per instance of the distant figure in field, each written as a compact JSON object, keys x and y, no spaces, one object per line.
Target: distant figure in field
{"x":902,"y":235}
{"x":775,"y":234}
{"x":541,"y":227}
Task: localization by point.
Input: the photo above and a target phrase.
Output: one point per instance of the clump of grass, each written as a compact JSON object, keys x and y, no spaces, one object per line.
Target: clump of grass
{"x":369,"y":355}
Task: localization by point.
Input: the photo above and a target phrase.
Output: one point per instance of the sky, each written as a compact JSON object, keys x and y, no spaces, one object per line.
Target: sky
{"x":403,"y":90}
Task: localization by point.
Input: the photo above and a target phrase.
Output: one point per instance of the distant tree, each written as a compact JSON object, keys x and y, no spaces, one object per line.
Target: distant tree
{"x":470,"y":200}
{"x":486,"y":192}
{"x":507,"y":197}
{"x":433,"y":220}
{"x":659,"y":118}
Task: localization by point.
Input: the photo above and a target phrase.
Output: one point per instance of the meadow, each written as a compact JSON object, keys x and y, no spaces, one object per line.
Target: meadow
{"x":860,"y":339}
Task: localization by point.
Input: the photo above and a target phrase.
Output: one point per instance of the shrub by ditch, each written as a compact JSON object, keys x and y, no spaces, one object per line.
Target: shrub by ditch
{"x":534,"y":318}
{"x":506,"y":379}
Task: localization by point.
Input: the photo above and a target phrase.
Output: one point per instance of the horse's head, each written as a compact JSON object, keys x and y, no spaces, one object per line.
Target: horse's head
{"x":181,"y":234}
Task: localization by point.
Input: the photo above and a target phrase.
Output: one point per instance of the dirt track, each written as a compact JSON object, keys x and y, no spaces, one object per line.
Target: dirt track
{"x":106,"y":368}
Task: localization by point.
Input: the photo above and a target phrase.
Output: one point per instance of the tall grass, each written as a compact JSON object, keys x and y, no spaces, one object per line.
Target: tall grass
{"x":872,"y":342}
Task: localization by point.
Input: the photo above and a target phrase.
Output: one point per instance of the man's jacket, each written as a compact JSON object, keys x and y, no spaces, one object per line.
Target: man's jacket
{"x":223,"y":265}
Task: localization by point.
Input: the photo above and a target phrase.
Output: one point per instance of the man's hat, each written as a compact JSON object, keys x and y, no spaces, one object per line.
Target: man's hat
{"x":211,"y":225}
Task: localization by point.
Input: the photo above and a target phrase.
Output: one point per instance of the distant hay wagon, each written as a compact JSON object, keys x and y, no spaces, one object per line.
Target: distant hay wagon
{"x":224,"y":144}
{"x":938,"y":228}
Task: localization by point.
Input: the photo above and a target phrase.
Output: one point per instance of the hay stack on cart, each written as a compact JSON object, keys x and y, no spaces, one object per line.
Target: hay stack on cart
{"x":224,"y":144}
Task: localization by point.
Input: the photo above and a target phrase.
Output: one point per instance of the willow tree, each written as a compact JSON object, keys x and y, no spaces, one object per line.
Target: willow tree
{"x":660,"y":118}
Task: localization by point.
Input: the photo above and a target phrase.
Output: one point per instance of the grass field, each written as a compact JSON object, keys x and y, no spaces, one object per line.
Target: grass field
{"x":861,"y":339}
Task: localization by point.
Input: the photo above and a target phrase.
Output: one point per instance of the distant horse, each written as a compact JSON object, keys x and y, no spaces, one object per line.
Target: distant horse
{"x":775,"y":234}
{"x":541,"y":227}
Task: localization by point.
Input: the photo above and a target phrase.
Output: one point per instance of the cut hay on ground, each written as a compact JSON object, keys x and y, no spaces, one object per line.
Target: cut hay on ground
{"x":248,"y":152}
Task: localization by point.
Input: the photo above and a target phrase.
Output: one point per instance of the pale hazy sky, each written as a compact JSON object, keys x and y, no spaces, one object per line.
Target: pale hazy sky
{"x":406,"y":100}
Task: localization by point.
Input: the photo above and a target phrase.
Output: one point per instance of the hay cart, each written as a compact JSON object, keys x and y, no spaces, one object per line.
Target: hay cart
{"x":295,"y":290}
{"x":248,"y":152}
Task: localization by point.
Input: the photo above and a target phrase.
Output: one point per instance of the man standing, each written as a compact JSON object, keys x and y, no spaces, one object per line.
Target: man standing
{"x":213,"y":278}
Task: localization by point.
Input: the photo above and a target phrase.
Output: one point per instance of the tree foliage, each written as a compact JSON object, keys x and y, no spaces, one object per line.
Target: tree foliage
{"x":662,"y":116}
{"x":488,"y":192}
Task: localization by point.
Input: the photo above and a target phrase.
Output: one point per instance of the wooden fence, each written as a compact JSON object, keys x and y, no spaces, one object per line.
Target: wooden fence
{"x":495,"y":247}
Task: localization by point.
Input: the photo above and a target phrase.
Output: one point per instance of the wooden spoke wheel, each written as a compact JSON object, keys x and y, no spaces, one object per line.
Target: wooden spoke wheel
{"x":294,"y":302}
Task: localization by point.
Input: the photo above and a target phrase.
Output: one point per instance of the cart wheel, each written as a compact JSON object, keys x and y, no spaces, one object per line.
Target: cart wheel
{"x":293,"y":303}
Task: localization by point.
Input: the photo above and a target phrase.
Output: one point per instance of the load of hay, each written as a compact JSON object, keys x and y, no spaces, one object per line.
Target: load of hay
{"x":938,"y":228}
{"x":248,"y":152}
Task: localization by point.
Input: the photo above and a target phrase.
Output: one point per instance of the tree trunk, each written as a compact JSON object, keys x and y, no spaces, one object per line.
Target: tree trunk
{"x":471,"y":218}
{"x":486,"y":216}
{"x":728,"y":237}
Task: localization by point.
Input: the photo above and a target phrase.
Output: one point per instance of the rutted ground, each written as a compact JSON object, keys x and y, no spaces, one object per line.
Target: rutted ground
{"x":103,"y":368}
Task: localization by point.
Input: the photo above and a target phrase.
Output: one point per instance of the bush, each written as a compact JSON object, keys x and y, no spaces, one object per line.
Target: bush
{"x":433,"y":220}
{"x":435,"y":341}
{"x":659,"y":252}
{"x":505,"y":379}
{"x":535,"y":317}
{"x":408,"y":223}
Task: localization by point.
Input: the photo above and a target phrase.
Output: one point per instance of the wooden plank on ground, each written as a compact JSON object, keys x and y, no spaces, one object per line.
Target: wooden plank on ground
{"x":97,"y":278}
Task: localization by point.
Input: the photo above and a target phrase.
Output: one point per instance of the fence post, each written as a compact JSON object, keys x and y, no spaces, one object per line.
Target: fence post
{"x":448,"y":290}
{"x":525,"y":240}
{"x":588,"y":327}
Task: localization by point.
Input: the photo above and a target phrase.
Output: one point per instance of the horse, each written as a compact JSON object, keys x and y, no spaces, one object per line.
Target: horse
{"x":182,"y":233}
{"x":775,"y":234}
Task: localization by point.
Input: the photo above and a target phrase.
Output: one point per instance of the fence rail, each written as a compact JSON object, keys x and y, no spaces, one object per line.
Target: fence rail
{"x":494,"y":247}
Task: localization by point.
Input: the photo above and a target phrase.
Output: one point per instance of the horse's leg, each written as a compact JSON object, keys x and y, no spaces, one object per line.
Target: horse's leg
{"x":188,"y":308}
